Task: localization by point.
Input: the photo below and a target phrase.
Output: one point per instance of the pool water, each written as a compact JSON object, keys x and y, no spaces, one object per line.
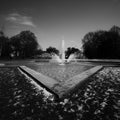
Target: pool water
{"x":60,"y":72}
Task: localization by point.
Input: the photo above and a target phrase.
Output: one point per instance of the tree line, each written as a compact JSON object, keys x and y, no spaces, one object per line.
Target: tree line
{"x":102,"y":44}
{"x":25,"y":45}
{"x":68,"y":52}
{"x":20,"y":46}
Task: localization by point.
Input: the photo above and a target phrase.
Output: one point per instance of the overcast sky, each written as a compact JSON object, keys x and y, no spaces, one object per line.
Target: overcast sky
{"x":51,"y":20}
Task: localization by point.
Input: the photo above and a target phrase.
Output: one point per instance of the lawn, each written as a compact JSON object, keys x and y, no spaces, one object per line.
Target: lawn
{"x":98,"y":99}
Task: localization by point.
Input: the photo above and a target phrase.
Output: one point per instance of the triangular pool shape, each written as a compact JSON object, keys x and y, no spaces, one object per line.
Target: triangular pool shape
{"x":60,"y":88}
{"x":58,"y":72}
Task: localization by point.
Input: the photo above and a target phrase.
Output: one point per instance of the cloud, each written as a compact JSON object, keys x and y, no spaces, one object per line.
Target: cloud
{"x":20,"y":19}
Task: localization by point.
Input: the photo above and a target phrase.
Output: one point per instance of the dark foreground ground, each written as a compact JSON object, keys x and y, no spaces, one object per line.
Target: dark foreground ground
{"x":98,"y":99}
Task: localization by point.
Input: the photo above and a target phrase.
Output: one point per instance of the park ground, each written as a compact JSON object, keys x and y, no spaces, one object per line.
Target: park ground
{"x":97,"y":99}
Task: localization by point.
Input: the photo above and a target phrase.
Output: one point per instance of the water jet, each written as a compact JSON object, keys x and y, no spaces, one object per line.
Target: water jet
{"x":61,"y":58}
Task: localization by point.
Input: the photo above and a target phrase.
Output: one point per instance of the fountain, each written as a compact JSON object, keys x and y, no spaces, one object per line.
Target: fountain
{"x":61,"y":58}
{"x":63,"y":53}
{"x":58,"y":78}
{"x":56,"y":58}
{"x":71,"y":57}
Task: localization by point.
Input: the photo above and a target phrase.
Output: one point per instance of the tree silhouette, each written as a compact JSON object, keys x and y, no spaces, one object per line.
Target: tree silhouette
{"x":16,"y":46}
{"x":115,"y":29}
{"x":52,"y":50}
{"x":24,"y":45}
{"x":102,"y":44}
{"x":72,"y":50}
{"x":91,"y":43}
{"x":4,"y":46}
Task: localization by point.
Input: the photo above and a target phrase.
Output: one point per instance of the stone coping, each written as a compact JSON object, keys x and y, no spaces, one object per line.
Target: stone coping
{"x":99,"y":60}
{"x":60,"y":89}
{"x":74,"y":82}
{"x":41,"y":79}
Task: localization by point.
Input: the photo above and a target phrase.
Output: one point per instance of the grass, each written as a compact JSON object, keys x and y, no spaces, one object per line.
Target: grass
{"x":99,"y":99}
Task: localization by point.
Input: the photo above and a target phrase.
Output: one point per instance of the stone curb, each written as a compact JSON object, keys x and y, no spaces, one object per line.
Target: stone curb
{"x":74,"y":82}
{"x":61,"y":90}
{"x":44,"y":81}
